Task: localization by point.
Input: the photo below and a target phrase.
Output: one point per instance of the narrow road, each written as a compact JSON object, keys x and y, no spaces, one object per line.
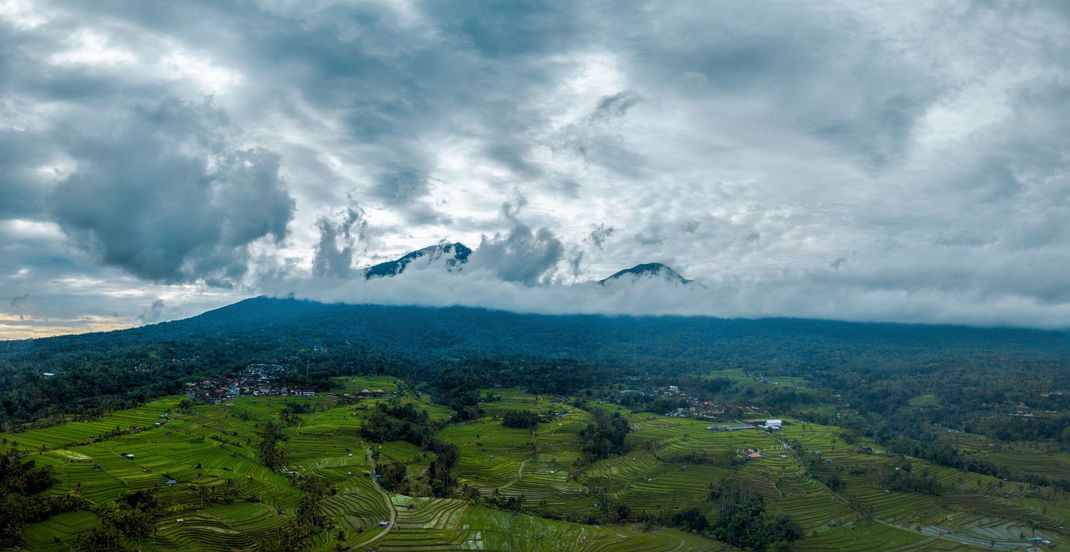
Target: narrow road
{"x":386,"y":497}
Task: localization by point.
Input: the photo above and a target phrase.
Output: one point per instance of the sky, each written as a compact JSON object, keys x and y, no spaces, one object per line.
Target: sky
{"x":871,"y":161}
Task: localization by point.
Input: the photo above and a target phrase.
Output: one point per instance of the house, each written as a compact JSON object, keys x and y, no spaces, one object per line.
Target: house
{"x":773,"y":424}
{"x":752,"y":454}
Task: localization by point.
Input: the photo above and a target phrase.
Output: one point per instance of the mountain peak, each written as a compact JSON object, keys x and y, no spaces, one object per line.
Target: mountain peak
{"x":455,"y":254}
{"x":647,"y":270}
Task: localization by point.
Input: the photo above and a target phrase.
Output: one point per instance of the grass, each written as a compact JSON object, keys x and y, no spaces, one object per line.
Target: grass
{"x":660,"y":475}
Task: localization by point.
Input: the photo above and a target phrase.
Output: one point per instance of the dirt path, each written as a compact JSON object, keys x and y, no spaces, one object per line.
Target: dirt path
{"x":389,"y":504}
{"x":519,"y":474}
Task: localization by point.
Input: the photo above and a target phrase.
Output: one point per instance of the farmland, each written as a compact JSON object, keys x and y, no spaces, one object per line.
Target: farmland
{"x":213,"y":446}
{"x":524,"y":489}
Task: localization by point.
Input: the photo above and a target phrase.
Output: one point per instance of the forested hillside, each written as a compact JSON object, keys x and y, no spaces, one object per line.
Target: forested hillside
{"x":97,"y":372}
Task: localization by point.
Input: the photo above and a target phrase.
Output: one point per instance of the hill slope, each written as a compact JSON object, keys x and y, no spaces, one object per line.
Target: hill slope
{"x":456,"y":330}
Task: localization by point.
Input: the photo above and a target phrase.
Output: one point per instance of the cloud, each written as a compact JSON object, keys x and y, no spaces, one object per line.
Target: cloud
{"x":399,"y":188}
{"x":17,"y":302}
{"x":597,"y":137}
{"x":852,"y":160}
{"x":340,"y":234}
{"x":824,"y":294}
{"x":600,"y":234}
{"x":154,"y":313}
{"x":165,"y":197}
{"x":523,"y":255}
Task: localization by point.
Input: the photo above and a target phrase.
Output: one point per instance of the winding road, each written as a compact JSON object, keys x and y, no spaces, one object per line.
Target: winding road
{"x":386,"y":497}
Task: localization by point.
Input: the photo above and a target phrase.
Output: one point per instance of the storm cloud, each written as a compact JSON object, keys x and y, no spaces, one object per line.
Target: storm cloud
{"x":163,"y":197}
{"x":863,"y":161}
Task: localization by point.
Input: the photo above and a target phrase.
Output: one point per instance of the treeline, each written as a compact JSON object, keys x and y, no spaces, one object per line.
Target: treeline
{"x":397,"y":421}
{"x":899,"y":475}
{"x":21,"y":482}
{"x":87,"y":383}
{"x":520,"y":419}
{"x":740,"y":518}
{"x":604,"y":437}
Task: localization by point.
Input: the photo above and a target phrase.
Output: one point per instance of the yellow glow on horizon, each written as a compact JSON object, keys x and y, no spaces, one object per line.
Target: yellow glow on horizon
{"x":14,"y":326}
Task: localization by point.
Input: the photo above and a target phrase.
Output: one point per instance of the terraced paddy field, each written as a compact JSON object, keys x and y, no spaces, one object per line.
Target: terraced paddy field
{"x":58,"y":532}
{"x":972,"y":510}
{"x":446,"y":525}
{"x":511,"y":398}
{"x":141,"y":418}
{"x":205,"y":469}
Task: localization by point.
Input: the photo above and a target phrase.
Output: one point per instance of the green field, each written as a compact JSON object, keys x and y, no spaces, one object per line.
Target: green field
{"x":670,"y":465}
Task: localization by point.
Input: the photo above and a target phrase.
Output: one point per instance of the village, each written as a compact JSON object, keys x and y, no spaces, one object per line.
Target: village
{"x":693,"y":407}
{"x":255,"y":379}
{"x":258,"y":380}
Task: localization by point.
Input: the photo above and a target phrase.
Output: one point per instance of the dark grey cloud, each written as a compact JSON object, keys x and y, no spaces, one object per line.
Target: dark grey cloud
{"x":21,"y":186}
{"x":600,"y":234}
{"x":165,"y":196}
{"x":400,"y":188}
{"x":512,"y":30}
{"x":18,"y":301}
{"x":523,"y":255}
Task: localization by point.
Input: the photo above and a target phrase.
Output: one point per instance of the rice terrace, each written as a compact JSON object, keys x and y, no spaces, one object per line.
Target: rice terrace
{"x":199,"y":472}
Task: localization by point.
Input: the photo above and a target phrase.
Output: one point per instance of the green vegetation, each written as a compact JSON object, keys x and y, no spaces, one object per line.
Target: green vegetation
{"x":346,"y":466}
{"x":532,"y":436}
{"x":741,"y":519}
{"x":606,"y":436}
{"x":223,"y":477}
{"x":520,"y":419}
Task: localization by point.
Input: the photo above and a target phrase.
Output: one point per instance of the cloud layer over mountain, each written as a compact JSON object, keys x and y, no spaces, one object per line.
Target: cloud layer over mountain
{"x":866,"y":161}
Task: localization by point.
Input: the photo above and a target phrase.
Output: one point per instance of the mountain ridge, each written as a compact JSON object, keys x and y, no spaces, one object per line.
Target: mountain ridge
{"x":646,"y":270}
{"x":396,"y":327}
{"x":456,"y":254}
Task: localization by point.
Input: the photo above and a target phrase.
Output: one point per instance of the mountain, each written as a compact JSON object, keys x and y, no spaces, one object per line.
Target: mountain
{"x":158,"y":359}
{"x":647,"y":270}
{"x":455,"y":254}
{"x":437,"y":333}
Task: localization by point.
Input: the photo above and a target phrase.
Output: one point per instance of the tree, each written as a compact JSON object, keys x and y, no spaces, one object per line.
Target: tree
{"x":270,"y":454}
{"x":520,"y":419}
{"x":605,"y":437}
